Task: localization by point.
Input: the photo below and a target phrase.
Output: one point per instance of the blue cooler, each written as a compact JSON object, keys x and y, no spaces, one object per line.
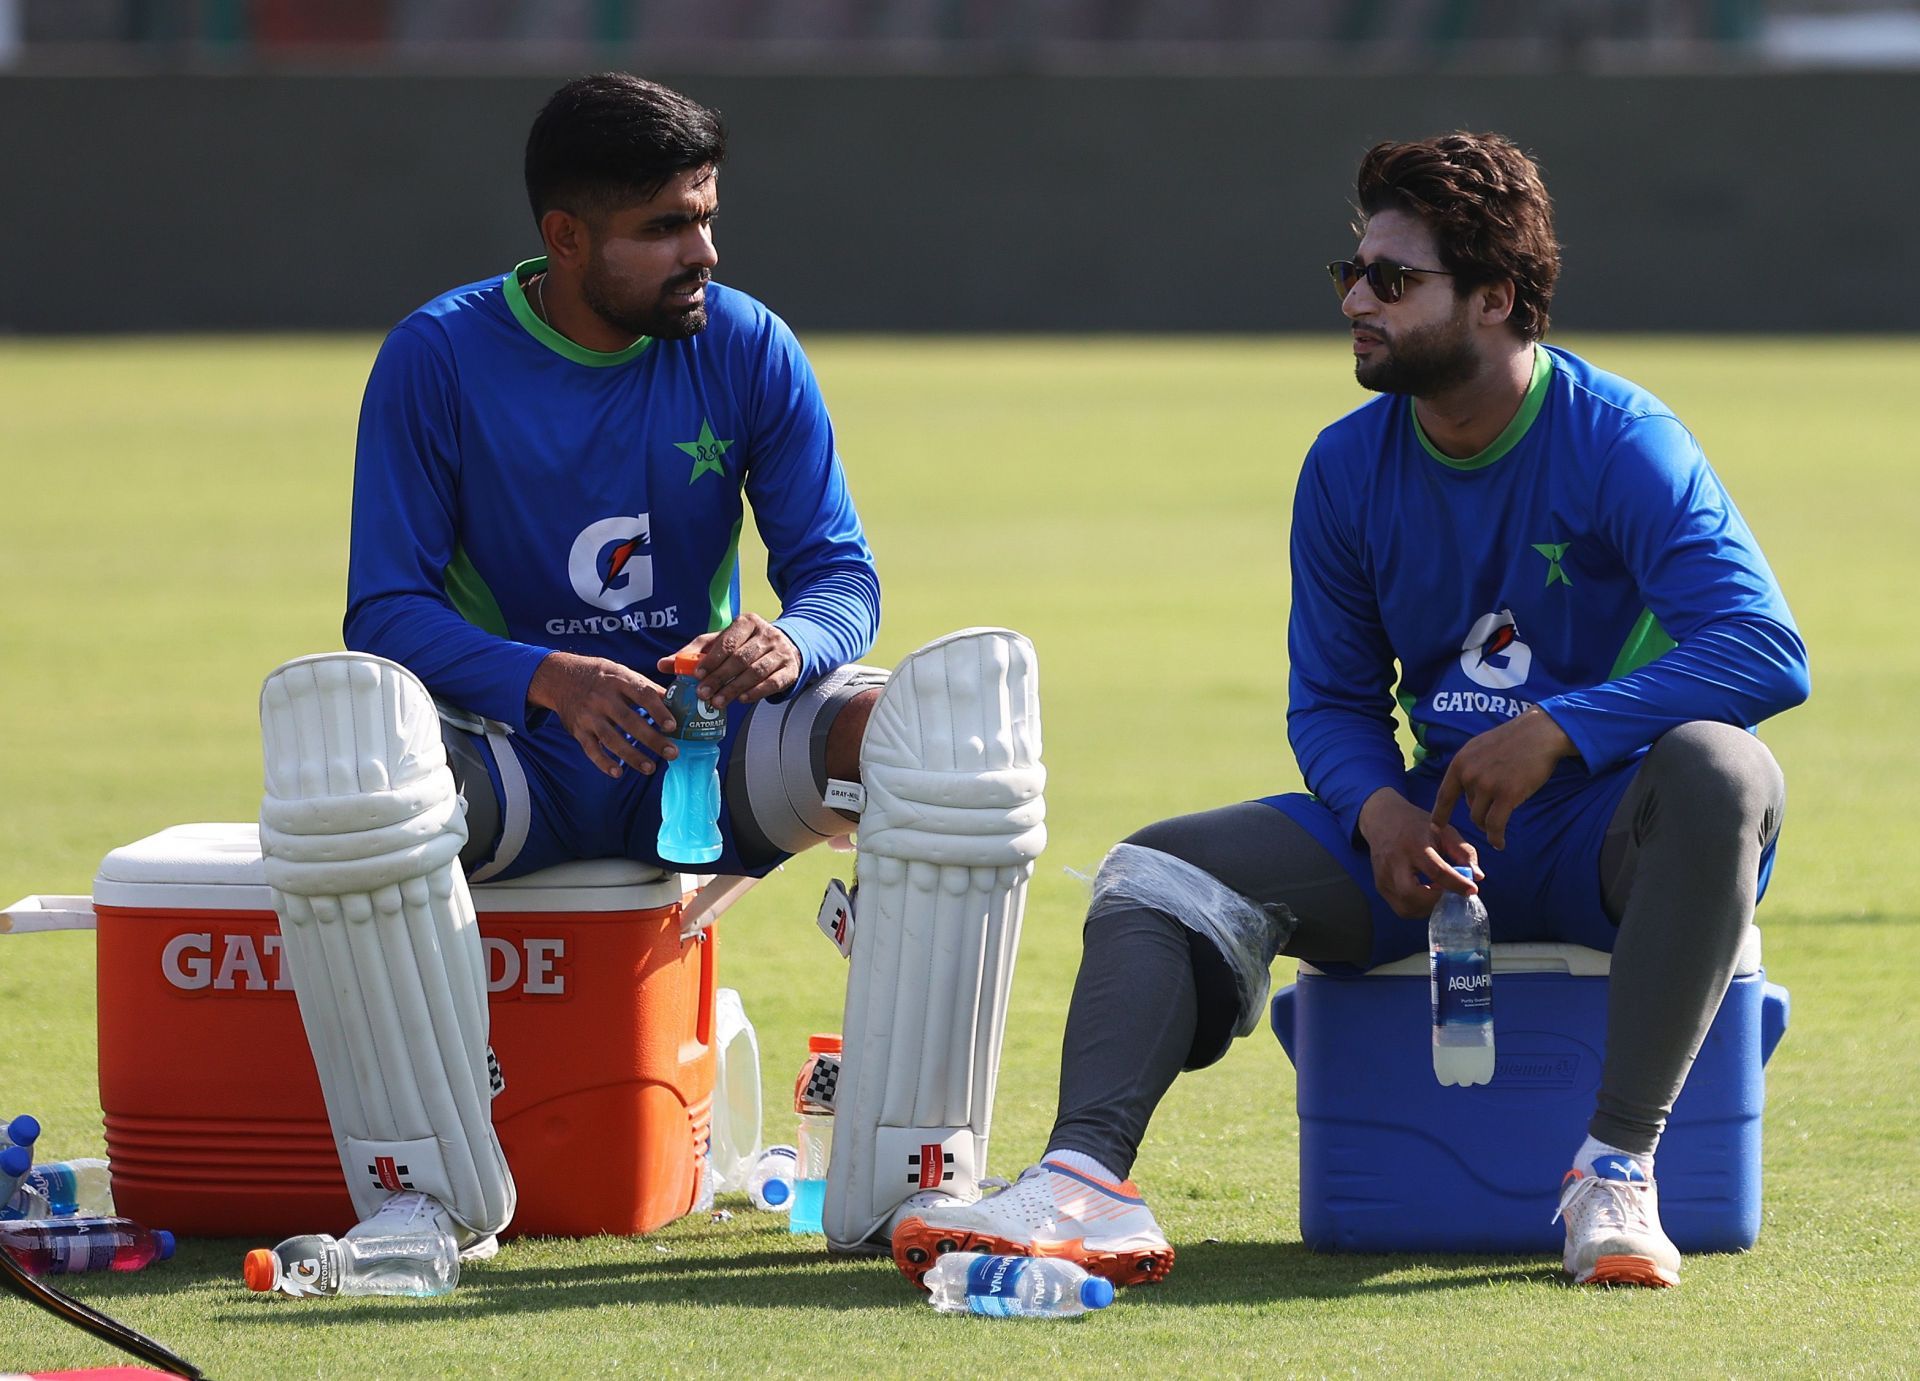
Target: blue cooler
{"x":1391,"y":1161}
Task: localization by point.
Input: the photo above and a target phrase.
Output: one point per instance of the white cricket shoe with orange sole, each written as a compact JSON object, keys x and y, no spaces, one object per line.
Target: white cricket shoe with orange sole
{"x":1614,"y":1237}
{"x":1051,"y":1210}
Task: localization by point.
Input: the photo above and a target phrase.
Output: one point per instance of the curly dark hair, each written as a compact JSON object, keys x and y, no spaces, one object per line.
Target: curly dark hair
{"x":1488,"y":209}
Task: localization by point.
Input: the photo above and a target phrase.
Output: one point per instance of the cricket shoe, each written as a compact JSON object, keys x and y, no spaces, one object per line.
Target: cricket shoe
{"x":403,"y":1212}
{"x":1050,"y":1210}
{"x":1612,"y":1213}
{"x":881,"y":1243}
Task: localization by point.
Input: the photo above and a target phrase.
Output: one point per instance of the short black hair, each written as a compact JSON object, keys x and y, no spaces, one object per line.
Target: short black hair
{"x":612,"y":139}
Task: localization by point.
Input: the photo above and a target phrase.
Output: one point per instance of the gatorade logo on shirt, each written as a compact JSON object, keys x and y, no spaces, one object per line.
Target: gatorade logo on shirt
{"x":611,"y":566}
{"x":1493,"y":655}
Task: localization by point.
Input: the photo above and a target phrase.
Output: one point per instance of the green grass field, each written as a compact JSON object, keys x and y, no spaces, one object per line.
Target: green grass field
{"x":176,"y":526}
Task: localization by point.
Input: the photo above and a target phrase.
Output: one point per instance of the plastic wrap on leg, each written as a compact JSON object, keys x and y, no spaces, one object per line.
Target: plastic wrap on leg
{"x":360,"y":832}
{"x":1245,"y":932}
{"x":954,"y":819}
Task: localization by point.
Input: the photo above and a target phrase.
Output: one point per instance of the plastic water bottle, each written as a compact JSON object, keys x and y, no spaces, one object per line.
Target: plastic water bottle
{"x":1020,"y":1287}
{"x":690,"y":791}
{"x":17,"y":1156}
{"x":704,"y":1182}
{"x":813,"y":1095}
{"x":68,"y":1246}
{"x":1460,"y":966}
{"x":63,"y":1189}
{"x":15,"y":1162}
{"x":734,"y":1135}
{"x":28,"y":1203}
{"x":770,"y":1185}
{"x":407,"y":1248}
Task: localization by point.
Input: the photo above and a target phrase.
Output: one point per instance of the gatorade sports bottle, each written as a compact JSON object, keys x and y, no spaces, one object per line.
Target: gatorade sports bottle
{"x":690,"y":792}
{"x":813,"y":1098}
{"x":407,"y":1248}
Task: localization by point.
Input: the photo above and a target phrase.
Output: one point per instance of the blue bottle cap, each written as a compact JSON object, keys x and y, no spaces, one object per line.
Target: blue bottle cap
{"x":1096,"y":1292}
{"x":15,"y":1161}
{"x":775,"y":1191}
{"x":1464,"y":870}
{"x":23,"y":1130}
{"x":165,"y":1239}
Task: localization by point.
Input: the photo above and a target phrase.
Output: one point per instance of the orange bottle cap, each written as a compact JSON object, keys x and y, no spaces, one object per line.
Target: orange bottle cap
{"x":684,"y":663}
{"x":262,"y":1269}
{"x":824,"y":1043}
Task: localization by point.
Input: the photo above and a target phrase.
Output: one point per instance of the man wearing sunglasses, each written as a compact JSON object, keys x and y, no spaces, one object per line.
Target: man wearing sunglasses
{"x":1581,"y":627}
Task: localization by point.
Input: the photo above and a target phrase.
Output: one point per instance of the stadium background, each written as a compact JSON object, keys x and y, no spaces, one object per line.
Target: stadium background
{"x":953,"y":165}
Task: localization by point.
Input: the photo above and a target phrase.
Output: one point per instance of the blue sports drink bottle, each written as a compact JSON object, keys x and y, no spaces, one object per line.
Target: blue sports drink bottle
{"x":690,"y":791}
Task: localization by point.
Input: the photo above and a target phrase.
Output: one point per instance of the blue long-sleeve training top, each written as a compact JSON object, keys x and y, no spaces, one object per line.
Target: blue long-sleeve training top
{"x":1589,"y":562}
{"x":516,"y":494}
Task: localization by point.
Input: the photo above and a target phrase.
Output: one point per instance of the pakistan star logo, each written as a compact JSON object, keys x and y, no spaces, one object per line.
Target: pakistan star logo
{"x":707,"y":452}
{"x":1553,"y":551}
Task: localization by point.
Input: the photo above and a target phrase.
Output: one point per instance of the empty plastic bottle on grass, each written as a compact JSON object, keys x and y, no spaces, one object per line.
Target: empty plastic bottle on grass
{"x":1024,"y":1287}
{"x":690,"y":791}
{"x":407,"y":1248}
{"x":16,"y":1158}
{"x":28,"y":1203}
{"x":813,"y":1095}
{"x":63,"y":1189}
{"x":1460,"y":966}
{"x":69,"y":1246}
{"x":15,"y":1161}
{"x":770,"y":1185}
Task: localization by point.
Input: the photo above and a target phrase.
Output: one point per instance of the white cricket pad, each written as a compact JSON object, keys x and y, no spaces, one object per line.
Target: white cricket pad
{"x":954,"y":819}
{"x":360,"y":832}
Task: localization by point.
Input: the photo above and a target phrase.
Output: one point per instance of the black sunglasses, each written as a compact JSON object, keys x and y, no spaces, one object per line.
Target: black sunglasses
{"x":1388,"y":281}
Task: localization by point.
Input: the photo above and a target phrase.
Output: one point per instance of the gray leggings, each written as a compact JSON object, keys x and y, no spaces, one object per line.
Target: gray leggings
{"x":1678,"y":873}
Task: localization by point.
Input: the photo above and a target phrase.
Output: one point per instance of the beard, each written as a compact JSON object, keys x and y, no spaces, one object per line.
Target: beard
{"x":657,"y":318}
{"x":1421,"y":362}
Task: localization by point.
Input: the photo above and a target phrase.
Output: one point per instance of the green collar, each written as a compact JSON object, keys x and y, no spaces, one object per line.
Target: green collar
{"x":1508,"y":439}
{"x":523,"y":313}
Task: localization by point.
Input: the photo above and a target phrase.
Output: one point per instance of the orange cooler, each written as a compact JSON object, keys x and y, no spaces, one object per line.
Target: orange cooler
{"x":602,"y":1022}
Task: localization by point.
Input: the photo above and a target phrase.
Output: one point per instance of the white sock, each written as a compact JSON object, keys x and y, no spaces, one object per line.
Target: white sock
{"x":1593,"y":1149}
{"x":1086,"y":1164}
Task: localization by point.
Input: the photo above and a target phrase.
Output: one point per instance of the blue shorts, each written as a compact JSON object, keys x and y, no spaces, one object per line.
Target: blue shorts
{"x":1545,"y":885}
{"x":574,"y":810}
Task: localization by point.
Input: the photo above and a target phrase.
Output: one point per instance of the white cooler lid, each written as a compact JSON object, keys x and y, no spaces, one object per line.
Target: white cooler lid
{"x":217,"y":867}
{"x":1548,"y":956}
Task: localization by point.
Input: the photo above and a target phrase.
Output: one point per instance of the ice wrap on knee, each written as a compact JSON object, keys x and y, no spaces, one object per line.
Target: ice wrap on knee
{"x":953,"y":820}
{"x":1247,"y":934}
{"x":360,"y":831}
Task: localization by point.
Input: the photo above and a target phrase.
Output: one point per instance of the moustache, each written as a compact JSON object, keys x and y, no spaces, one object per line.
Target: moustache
{"x":693,"y":279}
